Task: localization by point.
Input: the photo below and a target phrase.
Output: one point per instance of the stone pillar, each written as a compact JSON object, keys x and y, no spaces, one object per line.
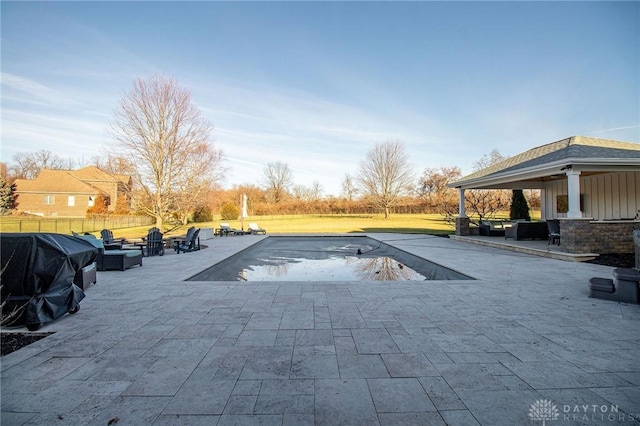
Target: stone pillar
{"x":573,"y":192}
{"x":462,"y":226}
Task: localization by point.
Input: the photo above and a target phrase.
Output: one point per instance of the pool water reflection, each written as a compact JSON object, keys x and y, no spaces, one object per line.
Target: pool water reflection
{"x":325,"y":259}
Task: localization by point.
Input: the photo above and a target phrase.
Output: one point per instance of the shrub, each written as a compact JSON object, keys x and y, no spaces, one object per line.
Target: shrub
{"x":202,"y":214}
{"x":229,"y":212}
{"x":519,"y":206}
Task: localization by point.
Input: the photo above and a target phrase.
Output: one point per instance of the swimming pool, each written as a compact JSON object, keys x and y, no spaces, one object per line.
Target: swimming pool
{"x":344,"y":258}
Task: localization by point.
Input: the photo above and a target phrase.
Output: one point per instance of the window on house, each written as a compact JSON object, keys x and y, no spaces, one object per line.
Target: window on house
{"x":71,"y":201}
{"x":91,"y":201}
{"x":49,"y":199}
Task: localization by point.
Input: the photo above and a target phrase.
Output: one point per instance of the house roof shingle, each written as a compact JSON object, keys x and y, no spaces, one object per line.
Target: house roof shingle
{"x":572,"y":148}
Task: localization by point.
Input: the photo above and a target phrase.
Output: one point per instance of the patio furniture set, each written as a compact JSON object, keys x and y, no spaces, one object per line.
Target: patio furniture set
{"x":522,"y":230}
{"x":225,"y":230}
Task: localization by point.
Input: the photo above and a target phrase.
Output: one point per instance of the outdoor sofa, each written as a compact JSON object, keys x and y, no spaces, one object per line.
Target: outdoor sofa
{"x":492,"y":228}
{"x":527,"y":231}
{"x":109,"y":260}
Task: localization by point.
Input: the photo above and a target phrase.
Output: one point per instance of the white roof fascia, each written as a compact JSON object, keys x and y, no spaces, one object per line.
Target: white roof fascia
{"x":548,"y":169}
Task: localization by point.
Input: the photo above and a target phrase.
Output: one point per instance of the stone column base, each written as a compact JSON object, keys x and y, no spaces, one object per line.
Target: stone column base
{"x":462,"y":226}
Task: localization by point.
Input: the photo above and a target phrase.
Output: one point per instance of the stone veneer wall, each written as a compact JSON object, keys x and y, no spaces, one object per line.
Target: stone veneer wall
{"x":462,"y":226}
{"x":588,"y":236}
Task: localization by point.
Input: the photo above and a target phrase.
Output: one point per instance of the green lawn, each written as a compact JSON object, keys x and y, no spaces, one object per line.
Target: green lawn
{"x":310,"y":224}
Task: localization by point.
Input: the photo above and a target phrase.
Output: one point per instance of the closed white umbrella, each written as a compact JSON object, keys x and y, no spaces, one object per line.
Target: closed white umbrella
{"x":244,"y":213}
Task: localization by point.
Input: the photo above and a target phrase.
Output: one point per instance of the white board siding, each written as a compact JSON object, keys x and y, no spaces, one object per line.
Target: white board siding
{"x":606,"y":196}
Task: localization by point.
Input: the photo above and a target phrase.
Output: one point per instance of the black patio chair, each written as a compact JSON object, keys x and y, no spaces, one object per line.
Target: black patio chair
{"x":192,"y":244}
{"x":155,"y":243}
{"x":109,"y":242}
{"x":553,"y":225}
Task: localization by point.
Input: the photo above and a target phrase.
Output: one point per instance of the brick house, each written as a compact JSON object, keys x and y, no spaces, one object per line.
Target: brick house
{"x":69,"y":193}
{"x":591,"y":185}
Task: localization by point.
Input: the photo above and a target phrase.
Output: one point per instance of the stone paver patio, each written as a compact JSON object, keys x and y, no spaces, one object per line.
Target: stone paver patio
{"x":147,"y":347}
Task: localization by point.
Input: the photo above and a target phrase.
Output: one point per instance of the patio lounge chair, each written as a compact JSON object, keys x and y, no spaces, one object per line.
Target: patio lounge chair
{"x":109,"y":260}
{"x":227,"y":230}
{"x":255,"y":229}
{"x":192,"y":244}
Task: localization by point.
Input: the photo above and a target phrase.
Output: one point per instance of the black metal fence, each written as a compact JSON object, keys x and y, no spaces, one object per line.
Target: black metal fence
{"x":66,"y":225}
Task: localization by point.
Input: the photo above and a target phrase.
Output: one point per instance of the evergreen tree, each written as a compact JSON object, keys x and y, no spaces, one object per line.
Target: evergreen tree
{"x":7,"y":196}
{"x":519,"y":206}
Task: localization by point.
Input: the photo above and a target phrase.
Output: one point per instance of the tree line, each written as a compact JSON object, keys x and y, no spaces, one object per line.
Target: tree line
{"x":162,"y":140}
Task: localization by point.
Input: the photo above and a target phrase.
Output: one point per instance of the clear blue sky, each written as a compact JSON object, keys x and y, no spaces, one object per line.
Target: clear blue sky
{"x":316,"y":84}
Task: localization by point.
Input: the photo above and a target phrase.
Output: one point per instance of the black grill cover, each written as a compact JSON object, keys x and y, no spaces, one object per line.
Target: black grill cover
{"x":38,"y":270}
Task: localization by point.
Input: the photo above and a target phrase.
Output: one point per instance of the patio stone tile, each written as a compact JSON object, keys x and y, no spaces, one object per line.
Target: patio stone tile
{"x":201,"y":394}
{"x":414,"y":343}
{"x":361,"y":366}
{"x":409,"y":419}
{"x":314,"y":366}
{"x":115,"y":369}
{"x":178,"y":347}
{"x":459,"y":418}
{"x":562,"y":375}
{"x":268,"y":363}
{"x":399,"y":395}
{"x":250,"y":420}
{"x":257,"y":338}
{"x":441,"y":394}
{"x":466,"y":343}
{"x":345,"y":345}
{"x":290,"y":419}
{"x":409,"y":365}
{"x":633,"y":378}
{"x":261,"y":323}
{"x":14,"y":418}
{"x":314,"y":337}
{"x":132,"y":410}
{"x":469,"y":377}
{"x":374,"y":341}
{"x":344,"y":401}
{"x":500,"y":407}
{"x":240,"y":404}
{"x":164,"y":377}
{"x":185,"y":420}
{"x":299,"y":351}
{"x":247,"y":387}
{"x":295,"y":320}
{"x":627,"y":398}
{"x":283,"y":404}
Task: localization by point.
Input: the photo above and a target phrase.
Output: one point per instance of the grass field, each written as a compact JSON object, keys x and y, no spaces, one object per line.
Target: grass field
{"x":312,"y":224}
{"x":433,"y":224}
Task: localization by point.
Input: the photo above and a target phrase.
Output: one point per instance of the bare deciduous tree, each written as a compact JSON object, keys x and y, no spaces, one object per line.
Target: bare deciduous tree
{"x":114,"y":164}
{"x":432,"y":187}
{"x":28,"y":165}
{"x":277,"y":178}
{"x":385,"y":175}
{"x":349,"y":189}
{"x":485,"y":203}
{"x":168,"y":141}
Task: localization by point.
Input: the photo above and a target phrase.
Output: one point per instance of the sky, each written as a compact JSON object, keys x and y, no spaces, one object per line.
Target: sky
{"x":317,"y":84}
